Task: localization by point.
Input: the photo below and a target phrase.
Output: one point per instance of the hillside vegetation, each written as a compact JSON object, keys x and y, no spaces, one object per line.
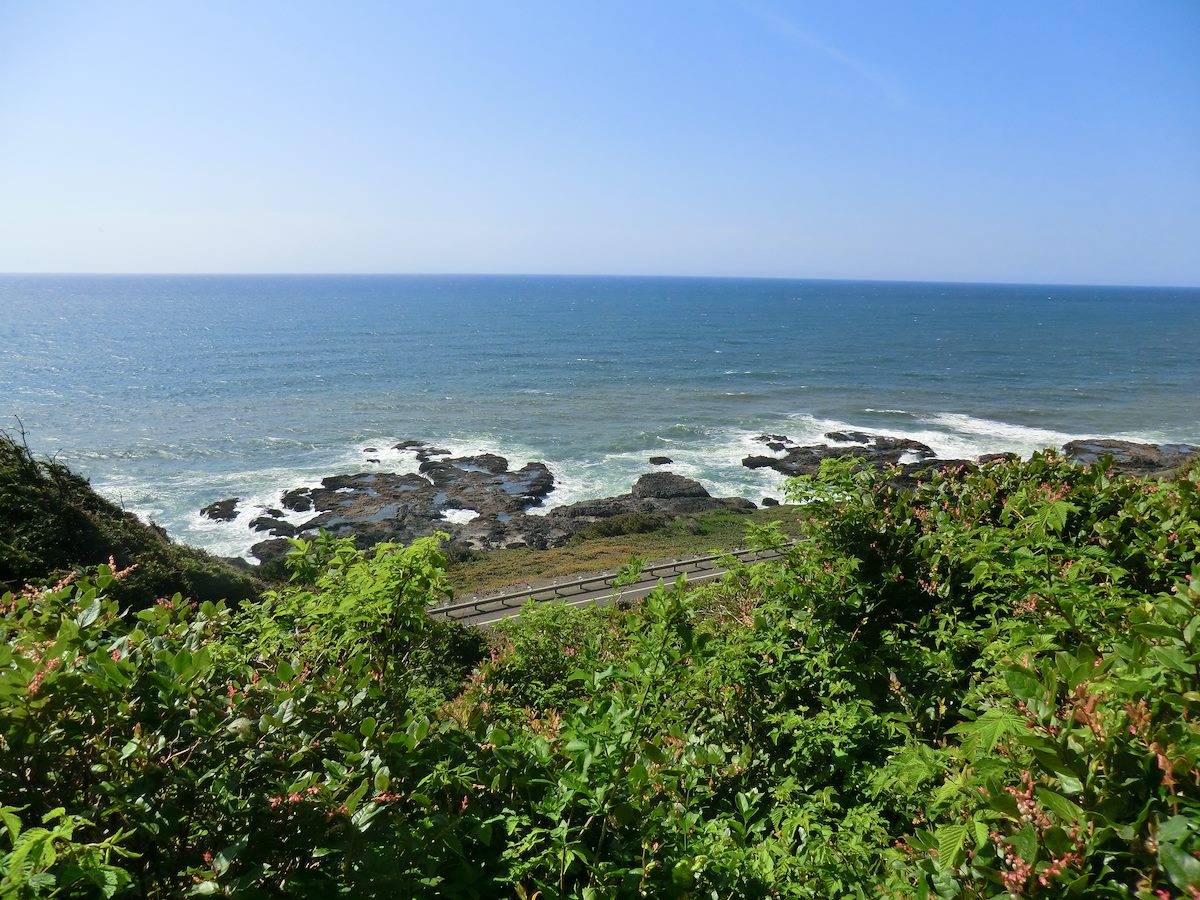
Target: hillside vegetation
{"x":52,"y":522}
{"x":987,"y":688}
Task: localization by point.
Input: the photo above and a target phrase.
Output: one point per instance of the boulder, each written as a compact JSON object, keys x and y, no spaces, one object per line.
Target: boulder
{"x":661,"y":460}
{"x":270,"y":551}
{"x":297,"y":500}
{"x":849,"y":437}
{"x":273,"y":526}
{"x":1132,"y":458}
{"x":222,"y":510}
{"x":667,"y":486}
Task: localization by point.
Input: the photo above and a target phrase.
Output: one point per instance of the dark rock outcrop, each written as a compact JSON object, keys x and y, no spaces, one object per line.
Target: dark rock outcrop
{"x":1131,"y":458}
{"x":877,"y":450}
{"x":421,"y":450}
{"x":489,"y":505}
{"x":272,"y":551}
{"x":851,"y":437}
{"x":661,"y":460}
{"x":373,"y":507}
{"x":667,"y":486}
{"x":297,"y":500}
{"x":222,"y":510}
{"x":273,"y":526}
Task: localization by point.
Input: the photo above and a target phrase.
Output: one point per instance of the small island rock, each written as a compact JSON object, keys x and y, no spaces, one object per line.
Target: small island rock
{"x":222,"y":510}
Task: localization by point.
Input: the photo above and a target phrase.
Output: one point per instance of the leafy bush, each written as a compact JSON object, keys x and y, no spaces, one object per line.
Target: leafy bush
{"x":625,"y":523}
{"x":984,"y":688}
{"x":52,"y":522}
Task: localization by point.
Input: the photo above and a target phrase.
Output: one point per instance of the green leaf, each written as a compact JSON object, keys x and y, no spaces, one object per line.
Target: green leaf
{"x":11,"y":822}
{"x":89,"y":614}
{"x":1175,"y":829}
{"x":951,"y":840}
{"x":1181,"y":867}
{"x":1173,"y":659}
{"x":1064,"y":809}
{"x":1024,"y":685}
{"x":681,"y":873}
{"x":982,"y":735}
{"x":382,"y":779}
{"x":356,"y":797}
{"x":224,"y":859}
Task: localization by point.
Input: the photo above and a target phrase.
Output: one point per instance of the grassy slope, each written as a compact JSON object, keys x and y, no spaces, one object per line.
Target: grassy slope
{"x":52,"y":522}
{"x":596,"y":552}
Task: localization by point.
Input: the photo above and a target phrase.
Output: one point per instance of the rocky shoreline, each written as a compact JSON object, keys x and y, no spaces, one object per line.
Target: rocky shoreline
{"x":484,"y":505}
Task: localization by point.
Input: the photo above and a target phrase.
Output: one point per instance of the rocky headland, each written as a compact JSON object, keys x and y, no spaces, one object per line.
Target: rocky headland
{"x":485,"y":505}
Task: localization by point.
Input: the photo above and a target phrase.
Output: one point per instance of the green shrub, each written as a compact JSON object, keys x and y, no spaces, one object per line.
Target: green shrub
{"x":52,"y":523}
{"x":984,"y":688}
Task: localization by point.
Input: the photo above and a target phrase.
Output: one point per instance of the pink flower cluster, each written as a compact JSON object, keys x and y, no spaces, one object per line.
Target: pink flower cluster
{"x":294,"y":797}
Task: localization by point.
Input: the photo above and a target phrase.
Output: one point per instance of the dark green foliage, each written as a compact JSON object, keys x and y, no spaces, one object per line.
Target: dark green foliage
{"x":987,"y":688}
{"x":626,"y":523}
{"x":52,"y":522}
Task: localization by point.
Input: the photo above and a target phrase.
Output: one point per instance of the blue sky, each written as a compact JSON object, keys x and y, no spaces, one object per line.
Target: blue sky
{"x":1014,"y":141}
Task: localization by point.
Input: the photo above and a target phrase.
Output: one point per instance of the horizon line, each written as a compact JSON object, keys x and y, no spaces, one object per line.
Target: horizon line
{"x":610,"y":275}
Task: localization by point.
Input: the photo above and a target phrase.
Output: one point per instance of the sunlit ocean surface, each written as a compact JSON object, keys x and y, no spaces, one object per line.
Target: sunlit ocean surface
{"x":172,"y":392}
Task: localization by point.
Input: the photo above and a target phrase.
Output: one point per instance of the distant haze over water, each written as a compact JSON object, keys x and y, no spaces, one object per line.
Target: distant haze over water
{"x":170,"y":392}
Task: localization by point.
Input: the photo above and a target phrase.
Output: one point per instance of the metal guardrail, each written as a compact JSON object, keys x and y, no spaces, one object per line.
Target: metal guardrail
{"x":466,"y":609}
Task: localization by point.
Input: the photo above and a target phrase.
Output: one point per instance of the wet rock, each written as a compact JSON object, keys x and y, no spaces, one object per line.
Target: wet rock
{"x":769,"y":501}
{"x":1132,"y":458}
{"x":370,"y":450}
{"x":661,"y":460}
{"x":297,"y":500}
{"x":849,"y":437}
{"x":270,"y":551}
{"x":604,"y":508}
{"x":876,"y":450}
{"x":379,"y":506}
{"x":667,"y":486}
{"x":222,"y":510}
{"x":372,"y":507}
{"x":483,"y":462}
{"x":776,"y":442}
{"x":273,"y":526}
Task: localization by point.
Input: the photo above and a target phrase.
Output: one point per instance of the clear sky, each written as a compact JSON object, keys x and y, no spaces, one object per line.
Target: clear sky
{"x":943,"y":139}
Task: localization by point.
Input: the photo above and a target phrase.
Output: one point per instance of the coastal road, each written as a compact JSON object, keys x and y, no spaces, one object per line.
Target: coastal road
{"x":487,"y":609}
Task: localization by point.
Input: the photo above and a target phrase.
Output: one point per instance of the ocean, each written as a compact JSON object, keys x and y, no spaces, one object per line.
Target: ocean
{"x":170,"y":392}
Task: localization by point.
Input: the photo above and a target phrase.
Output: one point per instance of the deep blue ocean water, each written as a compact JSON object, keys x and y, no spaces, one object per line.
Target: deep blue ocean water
{"x":170,"y":392}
